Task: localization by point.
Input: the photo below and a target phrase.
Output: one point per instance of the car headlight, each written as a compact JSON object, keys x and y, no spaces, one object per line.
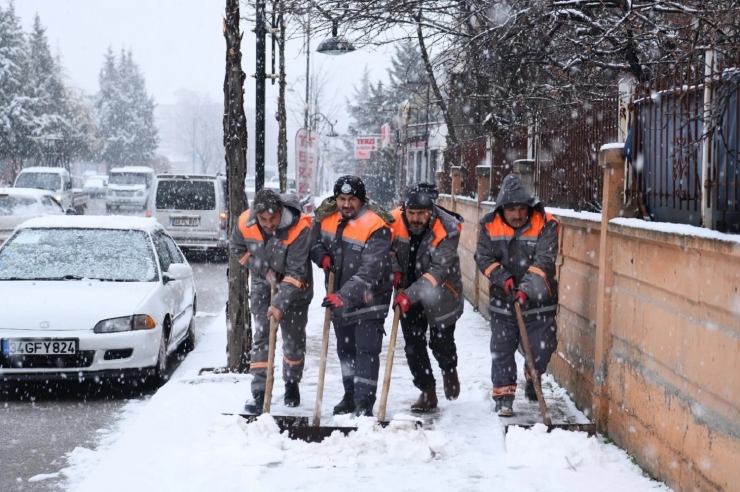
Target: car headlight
{"x":126,"y":323}
{"x":58,"y":198}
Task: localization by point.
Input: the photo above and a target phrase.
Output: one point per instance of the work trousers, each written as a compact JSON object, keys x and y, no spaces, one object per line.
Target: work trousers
{"x":414,"y":324}
{"x":504,"y":341}
{"x":293,"y":329}
{"x":358,"y":347}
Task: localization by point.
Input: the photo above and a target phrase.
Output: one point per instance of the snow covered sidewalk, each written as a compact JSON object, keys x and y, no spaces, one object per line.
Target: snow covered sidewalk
{"x":180,"y":440}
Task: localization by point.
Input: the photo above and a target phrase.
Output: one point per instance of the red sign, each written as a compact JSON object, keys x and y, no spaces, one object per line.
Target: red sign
{"x":363,"y":147}
{"x":385,"y":134}
{"x":305,"y":162}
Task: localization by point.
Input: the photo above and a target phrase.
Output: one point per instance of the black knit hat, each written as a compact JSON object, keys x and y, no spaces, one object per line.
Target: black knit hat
{"x":420,"y":196}
{"x":350,"y":185}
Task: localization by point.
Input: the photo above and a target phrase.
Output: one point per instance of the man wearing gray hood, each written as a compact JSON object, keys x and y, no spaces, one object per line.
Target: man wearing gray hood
{"x":516,"y":251}
{"x":273,"y":241}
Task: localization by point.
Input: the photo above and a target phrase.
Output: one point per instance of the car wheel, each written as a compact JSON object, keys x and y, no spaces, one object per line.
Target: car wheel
{"x":160,"y":370}
{"x":189,"y":343}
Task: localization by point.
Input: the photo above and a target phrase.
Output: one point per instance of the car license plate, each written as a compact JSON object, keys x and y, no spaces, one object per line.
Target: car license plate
{"x":40,"y":346}
{"x":185,"y":221}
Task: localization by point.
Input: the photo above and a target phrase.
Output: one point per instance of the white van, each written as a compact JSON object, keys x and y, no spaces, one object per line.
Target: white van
{"x":58,"y":181}
{"x":192,"y":208}
{"x":128,"y":187}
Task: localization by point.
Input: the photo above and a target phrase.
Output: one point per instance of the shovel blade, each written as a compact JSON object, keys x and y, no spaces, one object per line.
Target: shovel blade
{"x":300,"y":428}
{"x":589,"y":429}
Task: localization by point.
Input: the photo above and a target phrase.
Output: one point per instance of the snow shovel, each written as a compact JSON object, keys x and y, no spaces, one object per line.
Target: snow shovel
{"x":389,"y":360}
{"x":299,"y":427}
{"x":588,"y":428}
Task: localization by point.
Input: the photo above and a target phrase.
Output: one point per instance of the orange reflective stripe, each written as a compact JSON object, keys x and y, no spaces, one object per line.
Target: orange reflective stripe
{"x":439,"y":232}
{"x":398,"y":227}
{"x":258,"y":365}
{"x":452,"y":289}
{"x":243,"y":259}
{"x":541,"y":273}
{"x":295,"y":282}
{"x":249,"y":232}
{"x":491,"y":268}
{"x":292,"y":362}
{"x":509,"y":389}
{"x":303,"y":223}
{"x":431,"y":279}
{"x":358,"y":230}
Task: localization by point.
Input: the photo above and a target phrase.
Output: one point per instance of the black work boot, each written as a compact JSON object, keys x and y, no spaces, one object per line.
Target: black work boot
{"x":529,"y":391}
{"x":427,"y":401}
{"x":347,"y":405}
{"x":256,"y":404}
{"x":292,"y":395}
{"x":364,"y":409}
{"x":451,"y":383}
{"x":504,"y":405}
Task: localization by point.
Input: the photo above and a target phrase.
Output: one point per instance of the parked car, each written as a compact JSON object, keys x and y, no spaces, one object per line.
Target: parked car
{"x":17,"y":205}
{"x":192,"y":208}
{"x":128,"y":187}
{"x":249,"y":187}
{"x":274,"y":184}
{"x":96,"y":186}
{"x":89,"y":297}
{"x":58,"y":181}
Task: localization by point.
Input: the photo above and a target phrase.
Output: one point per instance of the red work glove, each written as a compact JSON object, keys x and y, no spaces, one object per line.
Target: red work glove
{"x":325,"y":263}
{"x":402,"y":301}
{"x":332,"y":300}
{"x":397,"y":280}
{"x":509,"y":285}
{"x":521,"y":298}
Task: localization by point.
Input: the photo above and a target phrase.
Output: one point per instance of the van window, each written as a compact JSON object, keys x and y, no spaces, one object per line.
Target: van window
{"x":185,"y":195}
{"x":40,"y":181}
{"x":127,"y":179}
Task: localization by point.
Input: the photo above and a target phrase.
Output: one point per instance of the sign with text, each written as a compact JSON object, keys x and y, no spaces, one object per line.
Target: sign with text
{"x":385,"y":135}
{"x":305,"y":161}
{"x":365,"y":145}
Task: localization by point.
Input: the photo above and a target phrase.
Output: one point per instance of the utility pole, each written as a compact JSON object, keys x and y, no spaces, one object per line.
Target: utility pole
{"x":260,"y":75}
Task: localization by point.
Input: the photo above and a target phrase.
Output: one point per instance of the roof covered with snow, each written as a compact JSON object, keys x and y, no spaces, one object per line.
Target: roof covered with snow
{"x":132,"y":169}
{"x":30,"y":192}
{"x":39,"y":169}
{"x":94,"y":222}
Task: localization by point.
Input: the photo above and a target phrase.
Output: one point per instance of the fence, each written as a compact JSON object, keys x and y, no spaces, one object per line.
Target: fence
{"x":684,"y":141}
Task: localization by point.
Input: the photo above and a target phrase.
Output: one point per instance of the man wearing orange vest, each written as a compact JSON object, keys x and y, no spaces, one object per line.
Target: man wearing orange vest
{"x":427,"y":266}
{"x":273,"y":241}
{"x":355,"y":242}
{"x":516,"y":251}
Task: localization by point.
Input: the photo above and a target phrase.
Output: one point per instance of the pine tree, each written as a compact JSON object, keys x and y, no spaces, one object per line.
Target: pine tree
{"x":125,"y":113}
{"x":15,"y":111}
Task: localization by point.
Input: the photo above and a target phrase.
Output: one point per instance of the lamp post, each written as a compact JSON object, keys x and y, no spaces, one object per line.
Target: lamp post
{"x":259,"y":124}
{"x":320,"y":164}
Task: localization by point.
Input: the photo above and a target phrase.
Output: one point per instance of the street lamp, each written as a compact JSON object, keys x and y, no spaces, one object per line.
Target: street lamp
{"x":335,"y":45}
{"x":331,"y":133}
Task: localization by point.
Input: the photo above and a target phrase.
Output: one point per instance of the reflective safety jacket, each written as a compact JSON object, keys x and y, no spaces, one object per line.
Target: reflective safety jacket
{"x":527,"y":254}
{"x":439,"y":286}
{"x":286,"y":252}
{"x":360,"y":253}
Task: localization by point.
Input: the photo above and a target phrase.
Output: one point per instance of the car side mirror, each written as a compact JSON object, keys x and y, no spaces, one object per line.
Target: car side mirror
{"x":177,"y":271}
{"x":70,"y":211}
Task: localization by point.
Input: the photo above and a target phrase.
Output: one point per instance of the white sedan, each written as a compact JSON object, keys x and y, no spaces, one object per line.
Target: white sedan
{"x":17,"y":205}
{"x":91,"y":297}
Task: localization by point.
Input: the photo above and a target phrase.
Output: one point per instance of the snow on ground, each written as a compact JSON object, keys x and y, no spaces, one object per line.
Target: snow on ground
{"x":181,"y":440}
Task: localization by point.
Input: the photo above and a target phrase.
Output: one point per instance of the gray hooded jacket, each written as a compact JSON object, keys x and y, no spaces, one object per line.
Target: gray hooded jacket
{"x":527,"y":254}
{"x":286,"y":252}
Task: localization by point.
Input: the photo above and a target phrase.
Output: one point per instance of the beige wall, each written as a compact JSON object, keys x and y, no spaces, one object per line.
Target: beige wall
{"x":669,"y":342}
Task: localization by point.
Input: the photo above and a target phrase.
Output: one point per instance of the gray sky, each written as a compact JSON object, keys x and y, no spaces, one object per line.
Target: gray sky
{"x":179,"y":45}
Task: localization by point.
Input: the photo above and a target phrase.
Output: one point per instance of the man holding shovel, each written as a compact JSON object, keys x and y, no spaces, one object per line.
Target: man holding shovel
{"x":273,"y":241}
{"x":354,"y":240}
{"x":427,"y":266}
{"x":516,"y":251}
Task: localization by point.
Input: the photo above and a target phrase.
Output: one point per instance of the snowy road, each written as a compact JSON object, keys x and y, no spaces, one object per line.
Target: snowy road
{"x":40,"y":428}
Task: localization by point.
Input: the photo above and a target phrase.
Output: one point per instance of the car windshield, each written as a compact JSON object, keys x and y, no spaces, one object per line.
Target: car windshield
{"x":18,"y":205}
{"x":128,"y":179}
{"x":186,"y":195}
{"x":69,"y":254}
{"x":39,"y":181}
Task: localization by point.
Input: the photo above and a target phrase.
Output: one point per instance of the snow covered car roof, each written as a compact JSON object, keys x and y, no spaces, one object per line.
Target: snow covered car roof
{"x":132,"y":169}
{"x":39,"y":169}
{"x":29,"y":192}
{"x":145,"y":224}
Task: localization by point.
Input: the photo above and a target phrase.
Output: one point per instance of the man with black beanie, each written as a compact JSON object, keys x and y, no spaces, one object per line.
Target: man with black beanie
{"x":427,"y":266}
{"x":354,"y":242}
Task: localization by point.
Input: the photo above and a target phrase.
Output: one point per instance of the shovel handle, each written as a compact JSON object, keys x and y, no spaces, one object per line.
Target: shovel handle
{"x":322,"y":362}
{"x":389,"y":361}
{"x":270,"y":359}
{"x":530,"y":362}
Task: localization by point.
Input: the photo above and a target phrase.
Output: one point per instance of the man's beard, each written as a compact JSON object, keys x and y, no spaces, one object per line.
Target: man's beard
{"x":417,"y":230}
